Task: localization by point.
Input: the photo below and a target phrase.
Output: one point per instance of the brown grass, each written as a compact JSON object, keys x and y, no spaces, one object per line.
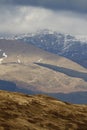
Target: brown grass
{"x":40,"y":112}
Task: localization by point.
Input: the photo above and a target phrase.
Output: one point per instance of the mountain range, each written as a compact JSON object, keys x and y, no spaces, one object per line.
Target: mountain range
{"x":66,"y":45}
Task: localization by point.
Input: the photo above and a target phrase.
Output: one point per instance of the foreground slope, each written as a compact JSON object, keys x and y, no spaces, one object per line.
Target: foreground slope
{"x":34,"y":69}
{"x":40,"y":112}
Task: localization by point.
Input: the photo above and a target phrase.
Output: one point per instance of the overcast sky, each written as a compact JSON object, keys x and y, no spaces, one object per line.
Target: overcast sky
{"x":22,"y":16}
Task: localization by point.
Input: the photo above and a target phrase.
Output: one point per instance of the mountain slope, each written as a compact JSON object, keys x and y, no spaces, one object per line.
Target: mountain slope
{"x":19,"y":66}
{"x":28,"y":69}
{"x":40,"y":112}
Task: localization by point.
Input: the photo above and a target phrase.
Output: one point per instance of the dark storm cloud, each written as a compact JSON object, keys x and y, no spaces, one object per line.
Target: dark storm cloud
{"x":73,"y":5}
{"x":20,"y":16}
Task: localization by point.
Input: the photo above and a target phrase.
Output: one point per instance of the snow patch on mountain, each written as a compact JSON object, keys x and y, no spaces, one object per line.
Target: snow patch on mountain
{"x":4,"y":54}
{"x":1,"y":59}
{"x":19,"y":61}
{"x":82,"y":38}
{"x":39,"y":60}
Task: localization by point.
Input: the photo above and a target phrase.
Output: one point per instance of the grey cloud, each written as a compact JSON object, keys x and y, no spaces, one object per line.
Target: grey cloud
{"x":73,"y":5}
{"x":18,"y":16}
{"x":24,"y":19}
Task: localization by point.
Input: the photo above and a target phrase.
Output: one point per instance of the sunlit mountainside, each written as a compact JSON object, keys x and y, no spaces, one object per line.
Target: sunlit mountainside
{"x":32,"y":70}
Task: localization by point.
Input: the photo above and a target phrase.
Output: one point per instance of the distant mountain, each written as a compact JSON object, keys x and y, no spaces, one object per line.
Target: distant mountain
{"x":74,"y":48}
{"x":39,"y":112}
{"x":28,"y":69}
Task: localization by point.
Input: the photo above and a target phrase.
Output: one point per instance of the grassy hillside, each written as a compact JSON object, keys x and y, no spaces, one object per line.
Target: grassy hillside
{"x":40,"y":112}
{"x":61,"y":74}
